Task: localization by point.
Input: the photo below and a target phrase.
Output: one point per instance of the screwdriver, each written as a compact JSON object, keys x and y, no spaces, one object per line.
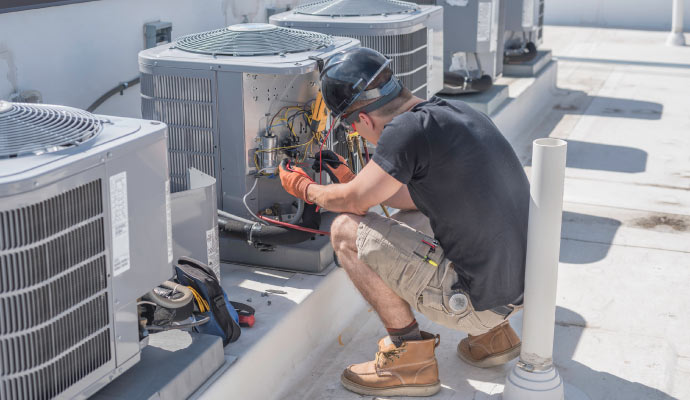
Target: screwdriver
{"x":427,"y":259}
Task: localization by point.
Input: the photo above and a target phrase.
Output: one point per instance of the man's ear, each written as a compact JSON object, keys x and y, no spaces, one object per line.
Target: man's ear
{"x":367,"y":120}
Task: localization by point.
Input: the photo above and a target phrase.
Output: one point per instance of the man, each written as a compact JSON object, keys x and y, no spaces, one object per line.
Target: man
{"x":455,"y":252}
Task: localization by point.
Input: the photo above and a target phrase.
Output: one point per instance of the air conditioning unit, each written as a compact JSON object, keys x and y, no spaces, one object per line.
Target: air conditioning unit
{"x":237,"y":101}
{"x":473,"y":43}
{"x":409,"y":34}
{"x":524,"y":30}
{"x":79,"y":193}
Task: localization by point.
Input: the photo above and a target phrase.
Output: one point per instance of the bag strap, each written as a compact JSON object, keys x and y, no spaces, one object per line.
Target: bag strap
{"x":220,"y":311}
{"x":199,"y":265}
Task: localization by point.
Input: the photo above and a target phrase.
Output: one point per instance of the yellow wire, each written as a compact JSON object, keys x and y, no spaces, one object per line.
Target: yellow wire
{"x":256,"y":161}
{"x":202,"y":303}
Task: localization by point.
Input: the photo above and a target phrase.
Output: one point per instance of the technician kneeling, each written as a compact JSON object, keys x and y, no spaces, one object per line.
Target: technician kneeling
{"x":456,"y":251}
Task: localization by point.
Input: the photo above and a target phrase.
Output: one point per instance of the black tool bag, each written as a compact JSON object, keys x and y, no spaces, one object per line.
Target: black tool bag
{"x":224,"y":321}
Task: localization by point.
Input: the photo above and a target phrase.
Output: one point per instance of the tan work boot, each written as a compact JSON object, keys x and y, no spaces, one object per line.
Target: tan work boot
{"x":408,"y":370}
{"x":495,"y":347}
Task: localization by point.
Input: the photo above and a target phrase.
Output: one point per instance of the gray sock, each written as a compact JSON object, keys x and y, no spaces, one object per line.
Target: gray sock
{"x":410,"y":332}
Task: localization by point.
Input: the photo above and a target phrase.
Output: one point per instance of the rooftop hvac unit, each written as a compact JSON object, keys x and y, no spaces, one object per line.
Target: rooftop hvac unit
{"x":238,"y":100}
{"x":411,"y":35}
{"x":524,"y":30}
{"x":78,"y":192}
{"x":473,"y":43}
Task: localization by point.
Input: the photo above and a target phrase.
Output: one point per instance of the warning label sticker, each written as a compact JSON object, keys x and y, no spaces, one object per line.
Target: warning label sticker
{"x":212,"y":252}
{"x":484,"y":22}
{"x":119,"y":214}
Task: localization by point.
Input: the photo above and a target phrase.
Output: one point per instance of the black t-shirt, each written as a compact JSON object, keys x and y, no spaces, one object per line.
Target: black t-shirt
{"x":464,"y":175}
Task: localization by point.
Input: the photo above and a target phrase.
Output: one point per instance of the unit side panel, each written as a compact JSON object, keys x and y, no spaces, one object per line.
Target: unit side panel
{"x":140,"y":173}
{"x":263,"y":96}
{"x":232,"y":176}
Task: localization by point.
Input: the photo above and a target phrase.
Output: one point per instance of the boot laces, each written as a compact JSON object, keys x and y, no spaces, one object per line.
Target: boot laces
{"x":384,"y":357}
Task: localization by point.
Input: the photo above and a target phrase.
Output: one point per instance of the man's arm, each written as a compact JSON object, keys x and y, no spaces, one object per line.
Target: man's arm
{"x":370,"y":187}
{"x":401,"y":200}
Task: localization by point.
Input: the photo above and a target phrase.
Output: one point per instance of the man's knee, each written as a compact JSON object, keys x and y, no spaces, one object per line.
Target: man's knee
{"x":344,"y":231}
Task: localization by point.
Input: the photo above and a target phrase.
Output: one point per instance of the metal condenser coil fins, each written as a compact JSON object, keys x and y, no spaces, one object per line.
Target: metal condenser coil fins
{"x":409,"y":34}
{"x":253,"y":40}
{"x":356,"y":8}
{"x":29,"y":129}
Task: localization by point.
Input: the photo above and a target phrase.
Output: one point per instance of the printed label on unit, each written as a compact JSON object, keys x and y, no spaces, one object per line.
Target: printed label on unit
{"x":168,"y":220}
{"x":458,"y":3}
{"x":527,"y":14}
{"x":494,"y":25}
{"x":484,"y":22}
{"x":119,"y":214}
{"x":212,"y":251}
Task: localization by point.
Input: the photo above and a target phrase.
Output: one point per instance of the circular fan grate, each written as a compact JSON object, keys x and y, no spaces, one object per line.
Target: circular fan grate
{"x":356,"y":8}
{"x":253,"y":40}
{"x":30,"y":129}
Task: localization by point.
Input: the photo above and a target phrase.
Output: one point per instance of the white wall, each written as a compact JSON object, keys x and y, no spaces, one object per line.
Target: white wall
{"x":629,"y":14}
{"x":75,"y":53}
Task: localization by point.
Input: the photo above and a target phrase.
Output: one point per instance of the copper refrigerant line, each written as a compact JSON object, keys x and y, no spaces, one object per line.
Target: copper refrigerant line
{"x":353,"y":142}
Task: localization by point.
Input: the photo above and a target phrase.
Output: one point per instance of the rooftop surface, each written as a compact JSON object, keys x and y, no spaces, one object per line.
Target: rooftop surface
{"x":622,"y":324}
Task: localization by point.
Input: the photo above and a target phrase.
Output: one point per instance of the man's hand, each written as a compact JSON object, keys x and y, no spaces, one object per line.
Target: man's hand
{"x":334,"y":165}
{"x":372,"y":186}
{"x":294,"y":180}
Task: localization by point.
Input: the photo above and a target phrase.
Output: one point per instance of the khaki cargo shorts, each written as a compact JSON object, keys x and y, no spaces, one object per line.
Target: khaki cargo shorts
{"x":388,"y":246}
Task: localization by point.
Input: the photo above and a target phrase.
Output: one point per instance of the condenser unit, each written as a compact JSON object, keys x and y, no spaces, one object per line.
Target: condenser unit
{"x":473,"y":43}
{"x":409,"y":34}
{"x":238,"y":100}
{"x":83,"y":234}
{"x":523,"y":30}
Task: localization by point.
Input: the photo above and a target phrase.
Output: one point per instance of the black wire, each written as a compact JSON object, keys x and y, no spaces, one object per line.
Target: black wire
{"x":201,"y":321}
{"x":112,"y":92}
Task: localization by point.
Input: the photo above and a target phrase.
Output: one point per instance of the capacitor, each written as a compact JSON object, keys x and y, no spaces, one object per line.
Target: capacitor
{"x":269,"y":158}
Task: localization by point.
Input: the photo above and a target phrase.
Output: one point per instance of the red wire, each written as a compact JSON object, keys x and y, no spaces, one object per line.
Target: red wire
{"x":297,"y":227}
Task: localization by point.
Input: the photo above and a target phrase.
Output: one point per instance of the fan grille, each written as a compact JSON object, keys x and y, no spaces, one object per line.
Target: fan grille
{"x":29,"y":129}
{"x":356,"y":8}
{"x":253,"y":40}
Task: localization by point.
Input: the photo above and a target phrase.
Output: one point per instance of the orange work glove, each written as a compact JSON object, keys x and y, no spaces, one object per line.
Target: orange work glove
{"x":294,"y":180}
{"x":334,"y":165}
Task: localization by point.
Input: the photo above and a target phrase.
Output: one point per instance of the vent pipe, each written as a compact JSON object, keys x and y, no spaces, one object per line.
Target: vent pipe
{"x":676,"y":38}
{"x":535,"y":377}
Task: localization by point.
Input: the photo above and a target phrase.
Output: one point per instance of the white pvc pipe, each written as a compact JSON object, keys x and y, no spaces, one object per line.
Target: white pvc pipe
{"x":534,"y":377}
{"x":543,"y":248}
{"x":676,"y":37}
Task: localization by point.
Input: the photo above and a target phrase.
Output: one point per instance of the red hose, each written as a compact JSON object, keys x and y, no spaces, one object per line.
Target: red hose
{"x":297,"y":227}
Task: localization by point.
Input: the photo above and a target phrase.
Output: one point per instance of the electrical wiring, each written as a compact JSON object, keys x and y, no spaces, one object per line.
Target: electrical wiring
{"x":244,"y":198}
{"x":256,"y":160}
{"x":300,"y":110}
